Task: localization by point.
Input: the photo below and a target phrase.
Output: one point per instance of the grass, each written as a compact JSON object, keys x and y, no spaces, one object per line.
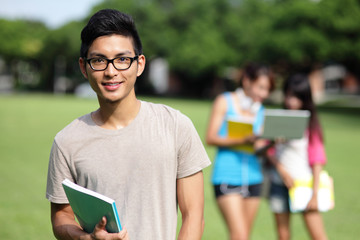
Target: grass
{"x":28,"y":124}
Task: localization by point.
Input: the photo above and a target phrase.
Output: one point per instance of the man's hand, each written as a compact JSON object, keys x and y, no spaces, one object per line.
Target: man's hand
{"x":100,"y":232}
{"x":66,"y":228}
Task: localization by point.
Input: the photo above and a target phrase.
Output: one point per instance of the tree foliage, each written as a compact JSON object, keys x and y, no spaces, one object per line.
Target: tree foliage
{"x":201,"y":38}
{"x":21,"y":39}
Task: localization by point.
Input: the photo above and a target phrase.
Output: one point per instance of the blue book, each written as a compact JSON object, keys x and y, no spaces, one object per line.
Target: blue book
{"x":89,"y":207}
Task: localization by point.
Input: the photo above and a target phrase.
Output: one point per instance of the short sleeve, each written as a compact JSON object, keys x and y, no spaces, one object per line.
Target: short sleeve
{"x":191,"y":153}
{"x":58,"y":170}
{"x":316,"y":151}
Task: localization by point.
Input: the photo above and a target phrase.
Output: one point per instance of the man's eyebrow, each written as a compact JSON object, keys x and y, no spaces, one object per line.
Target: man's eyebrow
{"x":95,"y":54}
{"x":127,"y":52}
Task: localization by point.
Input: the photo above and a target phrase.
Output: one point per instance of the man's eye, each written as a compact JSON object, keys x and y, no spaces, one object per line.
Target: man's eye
{"x":99,"y":60}
{"x":122,"y":59}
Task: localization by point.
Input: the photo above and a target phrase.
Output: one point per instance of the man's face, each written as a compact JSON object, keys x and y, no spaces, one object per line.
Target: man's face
{"x":112,"y":85}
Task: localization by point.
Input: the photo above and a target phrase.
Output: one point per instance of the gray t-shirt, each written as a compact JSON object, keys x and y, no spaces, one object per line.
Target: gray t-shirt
{"x":137,"y":166}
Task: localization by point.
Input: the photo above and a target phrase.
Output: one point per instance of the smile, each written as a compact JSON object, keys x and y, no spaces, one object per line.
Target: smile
{"x":111,"y":85}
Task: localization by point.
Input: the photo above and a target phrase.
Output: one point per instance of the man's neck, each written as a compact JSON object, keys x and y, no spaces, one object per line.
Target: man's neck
{"x":116,"y":115}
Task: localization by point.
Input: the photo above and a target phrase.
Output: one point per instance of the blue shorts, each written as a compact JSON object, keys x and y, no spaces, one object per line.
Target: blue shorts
{"x":279,"y":198}
{"x":244,"y":191}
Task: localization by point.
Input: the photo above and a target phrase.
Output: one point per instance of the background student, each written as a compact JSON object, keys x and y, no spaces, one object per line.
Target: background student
{"x":298,"y":159}
{"x":237,"y":175}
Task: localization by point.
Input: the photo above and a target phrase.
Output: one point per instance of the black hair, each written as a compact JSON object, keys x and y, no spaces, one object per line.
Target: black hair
{"x":298,"y":85}
{"x":108,"y":22}
{"x":253,"y":71}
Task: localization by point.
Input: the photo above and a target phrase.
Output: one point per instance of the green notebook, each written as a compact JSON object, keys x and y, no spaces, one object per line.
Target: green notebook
{"x":89,"y":207}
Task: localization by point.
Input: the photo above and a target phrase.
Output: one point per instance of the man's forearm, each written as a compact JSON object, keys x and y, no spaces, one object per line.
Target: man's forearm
{"x":191,"y":228}
{"x":64,"y":224}
{"x":70,"y":232}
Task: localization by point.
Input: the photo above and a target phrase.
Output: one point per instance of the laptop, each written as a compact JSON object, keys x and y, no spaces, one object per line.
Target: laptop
{"x":283,"y":123}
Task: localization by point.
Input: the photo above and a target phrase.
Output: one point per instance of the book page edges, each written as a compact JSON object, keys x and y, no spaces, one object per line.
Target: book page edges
{"x":72,"y":185}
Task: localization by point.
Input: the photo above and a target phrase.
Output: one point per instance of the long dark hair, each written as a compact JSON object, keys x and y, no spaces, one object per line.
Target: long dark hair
{"x":299,"y":86}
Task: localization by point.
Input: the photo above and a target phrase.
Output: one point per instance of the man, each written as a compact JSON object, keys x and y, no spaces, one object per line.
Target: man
{"x":148,"y":157}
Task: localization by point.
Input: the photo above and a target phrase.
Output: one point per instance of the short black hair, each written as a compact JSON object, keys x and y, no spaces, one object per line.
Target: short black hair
{"x":108,"y":22}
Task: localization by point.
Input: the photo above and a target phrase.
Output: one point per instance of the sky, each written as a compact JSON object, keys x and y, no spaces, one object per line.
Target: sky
{"x":53,"y":13}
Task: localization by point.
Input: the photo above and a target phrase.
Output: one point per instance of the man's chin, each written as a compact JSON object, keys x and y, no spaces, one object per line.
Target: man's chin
{"x":112,"y":101}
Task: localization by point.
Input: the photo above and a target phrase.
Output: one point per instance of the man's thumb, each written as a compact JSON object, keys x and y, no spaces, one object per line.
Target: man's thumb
{"x":102,"y":223}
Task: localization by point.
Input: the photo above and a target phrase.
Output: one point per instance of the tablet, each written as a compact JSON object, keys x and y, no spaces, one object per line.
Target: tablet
{"x":283,"y":123}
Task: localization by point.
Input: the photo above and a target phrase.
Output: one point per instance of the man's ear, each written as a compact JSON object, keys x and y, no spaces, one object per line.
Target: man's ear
{"x":82,"y":65}
{"x":141,"y":65}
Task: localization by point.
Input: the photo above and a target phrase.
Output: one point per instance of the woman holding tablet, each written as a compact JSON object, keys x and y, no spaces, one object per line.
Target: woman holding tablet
{"x":298,"y":159}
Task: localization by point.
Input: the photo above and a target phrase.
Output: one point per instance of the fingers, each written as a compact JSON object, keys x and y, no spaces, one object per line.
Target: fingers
{"x":290,"y":182}
{"x":102,"y":223}
{"x":101,"y":233}
{"x":312,"y":206}
{"x":280,"y":140}
{"x":99,"y":228}
{"x":250,"y":139}
{"x":123,"y":234}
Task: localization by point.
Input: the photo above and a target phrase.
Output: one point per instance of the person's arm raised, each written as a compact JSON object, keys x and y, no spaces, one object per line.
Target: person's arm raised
{"x":190,"y":195}
{"x":65,"y":226}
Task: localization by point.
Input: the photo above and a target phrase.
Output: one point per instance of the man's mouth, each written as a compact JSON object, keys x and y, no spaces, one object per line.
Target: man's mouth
{"x":111,"y":85}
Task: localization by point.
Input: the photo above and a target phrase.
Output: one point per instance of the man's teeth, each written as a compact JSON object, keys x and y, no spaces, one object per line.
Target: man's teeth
{"x":111,"y":84}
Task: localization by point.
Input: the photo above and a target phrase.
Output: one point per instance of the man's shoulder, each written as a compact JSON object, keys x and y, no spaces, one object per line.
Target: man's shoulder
{"x":74,"y":129}
{"x":162,"y":110}
{"x":168,"y":115}
{"x":158,"y":107}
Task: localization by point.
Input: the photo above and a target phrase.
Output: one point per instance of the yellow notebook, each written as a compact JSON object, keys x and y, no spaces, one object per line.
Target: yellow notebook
{"x":300,"y":194}
{"x":239,"y":129}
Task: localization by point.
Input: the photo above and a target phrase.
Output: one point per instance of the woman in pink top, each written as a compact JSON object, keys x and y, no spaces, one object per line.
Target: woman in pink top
{"x":298,"y":159}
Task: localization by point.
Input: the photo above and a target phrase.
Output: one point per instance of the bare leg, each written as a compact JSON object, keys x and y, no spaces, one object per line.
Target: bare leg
{"x":232,"y":209}
{"x":315,"y":225}
{"x":283,"y":225}
{"x":251,"y":206}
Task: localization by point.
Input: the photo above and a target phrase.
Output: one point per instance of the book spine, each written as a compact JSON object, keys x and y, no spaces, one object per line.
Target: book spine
{"x":116,"y":216}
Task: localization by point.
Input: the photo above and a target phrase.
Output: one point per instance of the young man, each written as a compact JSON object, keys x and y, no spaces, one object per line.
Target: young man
{"x":148,"y":157}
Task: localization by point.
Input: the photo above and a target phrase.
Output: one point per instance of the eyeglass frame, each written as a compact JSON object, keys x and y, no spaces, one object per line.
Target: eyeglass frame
{"x":132,"y":59}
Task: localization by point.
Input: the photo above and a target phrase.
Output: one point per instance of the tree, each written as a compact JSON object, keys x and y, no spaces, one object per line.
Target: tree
{"x":62,"y":46}
{"x":20,"y":44}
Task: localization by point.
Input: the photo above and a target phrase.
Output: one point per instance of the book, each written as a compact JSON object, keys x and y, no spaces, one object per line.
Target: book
{"x":89,"y":207}
{"x":240,"y":129}
{"x":284,"y":123}
{"x":301,"y":193}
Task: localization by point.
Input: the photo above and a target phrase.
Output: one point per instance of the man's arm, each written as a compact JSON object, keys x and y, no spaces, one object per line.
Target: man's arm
{"x":66,"y":228}
{"x":190,"y":195}
{"x":63,"y":223}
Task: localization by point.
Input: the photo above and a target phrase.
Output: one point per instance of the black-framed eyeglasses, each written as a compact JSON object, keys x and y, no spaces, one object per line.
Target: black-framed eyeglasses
{"x":119,"y":63}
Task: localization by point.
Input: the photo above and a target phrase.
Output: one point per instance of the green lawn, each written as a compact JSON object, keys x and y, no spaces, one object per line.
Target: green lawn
{"x":28,"y":124}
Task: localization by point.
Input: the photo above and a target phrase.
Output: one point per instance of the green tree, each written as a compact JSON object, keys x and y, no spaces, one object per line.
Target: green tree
{"x":20,"y":43}
{"x":21,"y":39}
{"x":201,"y":38}
{"x":62,"y":46}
